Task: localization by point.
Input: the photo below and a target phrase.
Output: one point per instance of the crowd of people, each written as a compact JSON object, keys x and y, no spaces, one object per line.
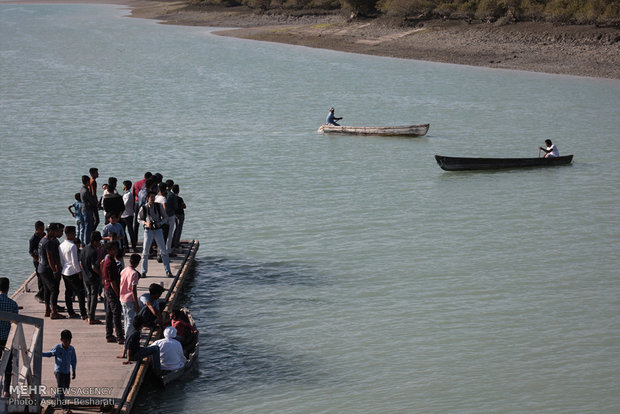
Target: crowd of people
{"x":91,"y":263}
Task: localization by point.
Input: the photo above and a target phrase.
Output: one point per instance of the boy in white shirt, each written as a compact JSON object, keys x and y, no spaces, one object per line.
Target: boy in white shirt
{"x":551,"y":151}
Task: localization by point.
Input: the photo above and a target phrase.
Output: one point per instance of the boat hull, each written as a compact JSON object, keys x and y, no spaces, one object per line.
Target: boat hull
{"x":461,"y":164}
{"x":402,"y":131}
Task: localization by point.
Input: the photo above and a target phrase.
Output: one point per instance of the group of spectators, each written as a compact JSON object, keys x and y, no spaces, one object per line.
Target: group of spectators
{"x":126,"y":208}
{"x":92,"y":263}
{"x":88,"y":261}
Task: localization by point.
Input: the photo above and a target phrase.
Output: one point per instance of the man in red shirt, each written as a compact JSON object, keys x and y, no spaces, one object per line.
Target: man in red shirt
{"x":137,"y":186}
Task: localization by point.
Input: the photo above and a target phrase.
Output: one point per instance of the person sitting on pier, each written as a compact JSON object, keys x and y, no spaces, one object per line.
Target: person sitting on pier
{"x":134,"y":352}
{"x":551,"y":151}
{"x":331,"y":119}
{"x":151,"y":306}
{"x":170,"y":351}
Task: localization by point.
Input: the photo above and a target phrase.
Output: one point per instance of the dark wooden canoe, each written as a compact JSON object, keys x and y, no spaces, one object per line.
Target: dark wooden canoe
{"x":459,"y":163}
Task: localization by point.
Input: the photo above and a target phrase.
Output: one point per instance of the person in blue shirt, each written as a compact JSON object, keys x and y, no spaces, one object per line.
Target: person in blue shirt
{"x":331,"y":119}
{"x":113,"y":231}
{"x":65,"y":361}
{"x":79,"y":217}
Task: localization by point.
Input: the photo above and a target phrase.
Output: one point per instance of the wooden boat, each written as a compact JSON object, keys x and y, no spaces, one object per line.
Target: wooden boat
{"x":459,"y":163}
{"x":403,"y":131}
{"x":192,"y":359}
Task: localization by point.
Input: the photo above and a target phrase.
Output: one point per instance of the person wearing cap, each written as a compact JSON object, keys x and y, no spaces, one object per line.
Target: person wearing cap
{"x":551,"y":151}
{"x":170,"y":351}
{"x":331,"y":118}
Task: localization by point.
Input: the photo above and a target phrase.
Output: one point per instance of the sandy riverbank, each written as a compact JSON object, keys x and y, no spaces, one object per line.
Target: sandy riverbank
{"x":540,"y":47}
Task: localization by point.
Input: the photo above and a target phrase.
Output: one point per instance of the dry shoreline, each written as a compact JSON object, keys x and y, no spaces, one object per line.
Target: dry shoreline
{"x":540,"y":47}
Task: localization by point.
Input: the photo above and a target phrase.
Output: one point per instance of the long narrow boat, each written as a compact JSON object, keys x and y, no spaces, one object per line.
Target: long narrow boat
{"x":460,"y":163}
{"x":192,"y":359}
{"x":403,"y":131}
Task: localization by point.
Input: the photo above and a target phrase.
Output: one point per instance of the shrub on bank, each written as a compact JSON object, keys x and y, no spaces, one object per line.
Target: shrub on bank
{"x":564,"y":11}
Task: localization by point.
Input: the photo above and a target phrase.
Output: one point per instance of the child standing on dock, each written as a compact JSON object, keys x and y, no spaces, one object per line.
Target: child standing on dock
{"x":78,"y":216}
{"x":65,"y":361}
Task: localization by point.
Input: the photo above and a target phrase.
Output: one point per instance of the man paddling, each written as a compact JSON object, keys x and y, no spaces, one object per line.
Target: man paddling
{"x":331,"y":118}
{"x":551,"y":151}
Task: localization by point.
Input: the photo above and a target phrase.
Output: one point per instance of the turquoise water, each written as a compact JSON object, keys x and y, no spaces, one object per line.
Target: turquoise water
{"x":338,"y":274}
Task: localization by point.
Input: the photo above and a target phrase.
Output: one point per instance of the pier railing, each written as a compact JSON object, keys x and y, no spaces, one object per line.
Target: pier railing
{"x":24,"y":394}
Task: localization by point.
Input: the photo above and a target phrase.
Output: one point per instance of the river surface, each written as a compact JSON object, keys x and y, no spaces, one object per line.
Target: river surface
{"x":335,"y":274}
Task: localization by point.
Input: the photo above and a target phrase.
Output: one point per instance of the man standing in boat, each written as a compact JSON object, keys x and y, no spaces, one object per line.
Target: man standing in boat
{"x":551,"y":151}
{"x":331,"y":118}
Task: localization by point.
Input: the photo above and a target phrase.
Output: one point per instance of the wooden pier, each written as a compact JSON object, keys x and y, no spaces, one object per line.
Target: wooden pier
{"x":102,"y":383}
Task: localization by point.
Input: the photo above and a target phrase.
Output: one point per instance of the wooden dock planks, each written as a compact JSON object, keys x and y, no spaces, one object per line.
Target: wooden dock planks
{"x":102,"y":379}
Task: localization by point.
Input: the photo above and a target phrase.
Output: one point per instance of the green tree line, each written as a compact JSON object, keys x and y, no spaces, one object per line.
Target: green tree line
{"x":565,"y":11}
